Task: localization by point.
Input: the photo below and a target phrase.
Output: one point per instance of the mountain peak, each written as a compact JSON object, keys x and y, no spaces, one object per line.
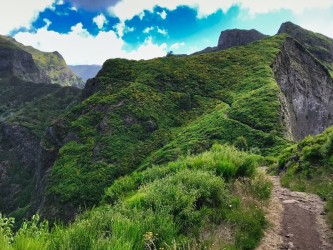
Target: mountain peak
{"x":319,"y":45}
{"x":236,"y":37}
{"x":288,"y":27}
{"x":30,"y":64}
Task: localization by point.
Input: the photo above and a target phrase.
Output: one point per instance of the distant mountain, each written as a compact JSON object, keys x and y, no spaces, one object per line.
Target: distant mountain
{"x":319,"y":45}
{"x":30,"y":64}
{"x":85,"y":71}
{"x":234,"y":37}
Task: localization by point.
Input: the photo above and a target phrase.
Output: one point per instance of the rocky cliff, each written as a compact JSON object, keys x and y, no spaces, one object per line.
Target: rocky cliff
{"x":30,"y":64}
{"x":319,"y":45}
{"x":307,"y":91}
{"x":234,"y":37}
{"x":16,"y":62}
{"x":237,"y":37}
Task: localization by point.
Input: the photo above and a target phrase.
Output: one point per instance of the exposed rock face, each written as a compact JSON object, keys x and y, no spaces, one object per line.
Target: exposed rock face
{"x":236,"y":37}
{"x":30,"y":64}
{"x":307,"y":91}
{"x":319,"y":45}
{"x":233,"y":38}
{"x":19,"y":63}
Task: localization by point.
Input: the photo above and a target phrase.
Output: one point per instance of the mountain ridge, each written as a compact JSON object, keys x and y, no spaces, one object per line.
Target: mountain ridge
{"x":145,"y":134}
{"x":51,"y":65}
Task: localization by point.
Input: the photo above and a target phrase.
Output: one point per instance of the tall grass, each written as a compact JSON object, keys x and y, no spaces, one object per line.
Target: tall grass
{"x":166,"y":207}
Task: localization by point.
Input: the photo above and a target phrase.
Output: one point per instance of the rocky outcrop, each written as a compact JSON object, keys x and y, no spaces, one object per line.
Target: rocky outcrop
{"x":319,"y":45}
{"x":237,"y":37}
{"x":30,"y":64}
{"x":306,"y":91}
{"x":234,"y":37}
{"x":19,"y":63}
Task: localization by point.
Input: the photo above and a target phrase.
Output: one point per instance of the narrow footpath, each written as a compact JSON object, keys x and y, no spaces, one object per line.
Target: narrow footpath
{"x":297,"y":221}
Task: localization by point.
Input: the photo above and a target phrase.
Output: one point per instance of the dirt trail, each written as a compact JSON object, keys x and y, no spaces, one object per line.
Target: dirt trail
{"x":296,"y":221}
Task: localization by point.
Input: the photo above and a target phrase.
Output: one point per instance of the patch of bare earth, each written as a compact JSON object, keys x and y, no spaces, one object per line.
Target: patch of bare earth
{"x":297,"y":221}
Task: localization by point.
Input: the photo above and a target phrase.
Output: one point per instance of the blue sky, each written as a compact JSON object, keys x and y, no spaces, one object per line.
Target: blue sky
{"x":89,"y":32}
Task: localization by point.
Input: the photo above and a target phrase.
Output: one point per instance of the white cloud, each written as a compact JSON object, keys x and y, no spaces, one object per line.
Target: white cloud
{"x":79,"y":47}
{"x":121,"y":29}
{"x":320,"y":21}
{"x":17,"y":13}
{"x":159,"y":30}
{"x":127,"y":9}
{"x":100,"y":21}
{"x":162,"y":31}
{"x":148,"y":29}
{"x":162,"y":14}
{"x":177,"y":45}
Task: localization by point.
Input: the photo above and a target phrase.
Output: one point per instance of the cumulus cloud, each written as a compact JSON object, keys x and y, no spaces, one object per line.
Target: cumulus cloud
{"x":100,"y":21}
{"x":15,"y":14}
{"x":80,"y":47}
{"x":127,"y":9}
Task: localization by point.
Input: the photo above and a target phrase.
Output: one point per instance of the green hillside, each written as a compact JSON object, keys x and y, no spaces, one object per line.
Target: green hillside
{"x":152,"y":112}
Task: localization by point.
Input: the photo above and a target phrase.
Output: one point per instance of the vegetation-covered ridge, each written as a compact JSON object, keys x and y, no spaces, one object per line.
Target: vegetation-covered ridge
{"x":308,"y":167}
{"x":212,"y":200}
{"x":140,"y":113}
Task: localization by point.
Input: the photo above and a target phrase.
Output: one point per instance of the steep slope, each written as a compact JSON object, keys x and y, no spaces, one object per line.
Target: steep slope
{"x":85,"y":71}
{"x":150,"y":112}
{"x":16,"y":62}
{"x":307,"y":91}
{"x":26,"y":110}
{"x":233,"y":38}
{"x":51,"y":65}
{"x":319,"y":45}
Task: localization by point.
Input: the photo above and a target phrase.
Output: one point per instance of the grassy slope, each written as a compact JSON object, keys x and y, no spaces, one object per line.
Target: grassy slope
{"x":181,"y":205}
{"x":308,"y":167}
{"x":154,"y":111}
